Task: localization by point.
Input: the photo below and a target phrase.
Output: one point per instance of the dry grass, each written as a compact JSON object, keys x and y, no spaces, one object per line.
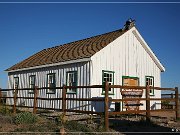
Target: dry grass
{"x":117,"y":124}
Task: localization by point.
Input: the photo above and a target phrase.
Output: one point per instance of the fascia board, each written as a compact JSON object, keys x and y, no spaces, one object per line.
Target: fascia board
{"x":148,"y":49}
{"x":54,"y":64}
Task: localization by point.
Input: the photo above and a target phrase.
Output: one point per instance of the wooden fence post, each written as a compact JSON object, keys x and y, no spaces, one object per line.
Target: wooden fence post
{"x":1,"y":96}
{"x":172,"y":95}
{"x":147,"y":103}
{"x":64,"y":99}
{"x":15,"y":100}
{"x":177,"y":102}
{"x":35,"y":99}
{"x":1,"y":99}
{"x":106,"y":106}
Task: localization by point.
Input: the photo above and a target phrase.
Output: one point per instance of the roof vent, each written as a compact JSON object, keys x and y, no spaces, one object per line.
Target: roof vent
{"x":129,"y":24}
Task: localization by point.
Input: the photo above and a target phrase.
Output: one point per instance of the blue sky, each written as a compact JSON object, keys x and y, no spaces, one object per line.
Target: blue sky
{"x":28,"y":28}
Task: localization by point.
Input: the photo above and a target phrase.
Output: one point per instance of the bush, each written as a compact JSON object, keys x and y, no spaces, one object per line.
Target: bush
{"x":5,"y":110}
{"x":62,"y":119}
{"x":165,"y":102}
{"x":25,"y":118}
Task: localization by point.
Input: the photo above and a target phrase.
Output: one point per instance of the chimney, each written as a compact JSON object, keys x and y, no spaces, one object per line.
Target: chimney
{"x":129,"y":24}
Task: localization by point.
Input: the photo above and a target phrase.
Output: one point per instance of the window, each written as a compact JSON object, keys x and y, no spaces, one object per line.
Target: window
{"x":32,"y":79}
{"x":71,"y":80}
{"x":108,"y":76}
{"x":16,"y":83}
{"x":51,"y":83}
{"x":150,"y":82}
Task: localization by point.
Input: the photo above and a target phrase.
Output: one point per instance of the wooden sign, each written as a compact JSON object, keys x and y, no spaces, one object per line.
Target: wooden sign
{"x":132,"y":93}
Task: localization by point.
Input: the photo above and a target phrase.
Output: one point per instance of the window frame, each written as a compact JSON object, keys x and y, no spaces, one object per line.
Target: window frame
{"x":51,"y":91}
{"x":151,"y":90}
{"x":76,"y":81}
{"x":103,"y":91}
{"x":30,"y":85}
{"x":14,"y":84}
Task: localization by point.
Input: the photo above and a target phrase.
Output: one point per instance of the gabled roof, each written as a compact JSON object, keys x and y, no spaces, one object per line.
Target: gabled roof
{"x":79,"y":51}
{"x":71,"y":51}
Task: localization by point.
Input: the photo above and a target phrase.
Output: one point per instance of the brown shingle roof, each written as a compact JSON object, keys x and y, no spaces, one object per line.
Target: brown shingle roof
{"x":71,"y":51}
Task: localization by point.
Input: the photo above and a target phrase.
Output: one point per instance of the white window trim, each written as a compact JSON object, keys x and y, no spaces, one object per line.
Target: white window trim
{"x":30,"y":84}
{"x":152,"y":85}
{"x":74,"y":74}
{"x":112,"y":82}
{"x":51,"y":91}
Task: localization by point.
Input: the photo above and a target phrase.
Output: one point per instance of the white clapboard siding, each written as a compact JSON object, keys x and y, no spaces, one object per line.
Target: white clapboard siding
{"x":41,"y":81}
{"x":126,"y":57}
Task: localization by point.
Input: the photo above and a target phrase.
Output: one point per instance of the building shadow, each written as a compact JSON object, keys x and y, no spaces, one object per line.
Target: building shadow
{"x":128,"y":127}
{"x":98,"y":106}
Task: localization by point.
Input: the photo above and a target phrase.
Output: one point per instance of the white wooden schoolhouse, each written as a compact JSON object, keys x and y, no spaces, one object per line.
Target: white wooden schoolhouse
{"x":121,"y":57}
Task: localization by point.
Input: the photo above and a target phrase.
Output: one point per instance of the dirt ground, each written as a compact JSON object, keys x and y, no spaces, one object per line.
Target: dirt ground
{"x":161,"y":123}
{"x":166,"y":114}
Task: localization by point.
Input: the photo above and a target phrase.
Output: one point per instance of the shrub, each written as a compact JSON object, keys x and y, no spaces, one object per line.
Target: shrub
{"x":62,"y":119}
{"x":5,"y":110}
{"x":165,"y":102}
{"x":25,"y":118}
